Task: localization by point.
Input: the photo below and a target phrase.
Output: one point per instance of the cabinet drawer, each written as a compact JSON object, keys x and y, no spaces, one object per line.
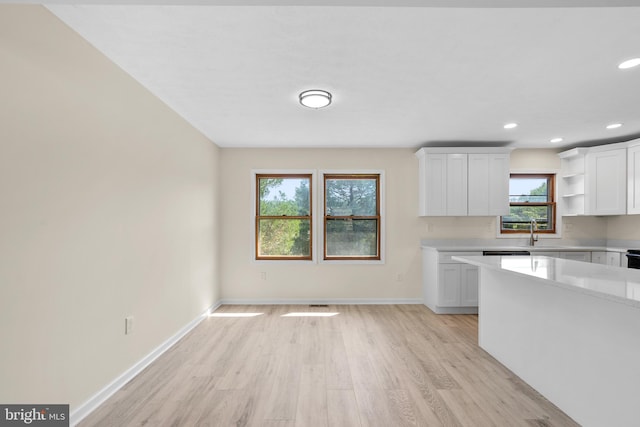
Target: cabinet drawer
{"x":445,"y":257}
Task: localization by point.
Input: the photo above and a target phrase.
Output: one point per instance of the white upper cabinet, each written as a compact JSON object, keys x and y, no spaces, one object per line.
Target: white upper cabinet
{"x":606,"y":181}
{"x":463,"y":181}
{"x":488,"y":184}
{"x":601,"y":180}
{"x":633,"y":178}
{"x":433,"y":181}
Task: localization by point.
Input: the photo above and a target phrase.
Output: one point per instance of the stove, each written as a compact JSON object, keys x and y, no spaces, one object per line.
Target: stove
{"x":633,"y":257}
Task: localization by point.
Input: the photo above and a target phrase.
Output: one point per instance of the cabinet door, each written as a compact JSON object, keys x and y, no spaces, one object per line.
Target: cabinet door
{"x":499,"y":184}
{"x":449,"y":285}
{"x":435,"y":185}
{"x":633,"y":180}
{"x":468,"y":285}
{"x":613,"y":258}
{"x":599,"y":258}
{"x":576,"y":256}
{"x":456,"y":198}
{"x":607,"y":182}
{"x":478,"y":188}
{"x":488,"y":184}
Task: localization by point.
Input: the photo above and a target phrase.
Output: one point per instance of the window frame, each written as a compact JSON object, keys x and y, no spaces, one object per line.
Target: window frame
{"x":261,"y":174}
{"x":379,"y":217}
{"x":551,"y":187}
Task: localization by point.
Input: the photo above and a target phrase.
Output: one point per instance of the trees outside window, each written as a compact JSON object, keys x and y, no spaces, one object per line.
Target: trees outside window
{"x":283,"y":217}
{"x":352,"y":217}
{"x":531,"y":196}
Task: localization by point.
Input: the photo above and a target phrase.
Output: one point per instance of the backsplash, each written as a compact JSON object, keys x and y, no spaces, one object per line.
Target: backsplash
{"x":617,"y":231}
{"x":486,"y":228}
{"x":625,"y":227}
{"x":462,"y":227}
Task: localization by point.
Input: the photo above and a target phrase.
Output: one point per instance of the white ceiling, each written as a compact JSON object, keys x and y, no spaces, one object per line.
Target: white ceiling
{"x":400,"y":76}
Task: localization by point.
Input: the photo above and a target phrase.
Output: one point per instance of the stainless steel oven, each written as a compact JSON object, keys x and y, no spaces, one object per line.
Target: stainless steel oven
{"x":633,"y":257}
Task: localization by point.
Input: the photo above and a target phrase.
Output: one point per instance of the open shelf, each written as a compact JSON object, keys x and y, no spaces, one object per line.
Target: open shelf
{"x":572,"y":175}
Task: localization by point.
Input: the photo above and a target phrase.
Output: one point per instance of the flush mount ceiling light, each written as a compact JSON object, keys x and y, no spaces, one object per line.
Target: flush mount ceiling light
{"x":315,"y":98}
{"x":614,"y":125}
{"x":630,"y":63}
{"x":555,"y":140}
{"x":511,"y":125}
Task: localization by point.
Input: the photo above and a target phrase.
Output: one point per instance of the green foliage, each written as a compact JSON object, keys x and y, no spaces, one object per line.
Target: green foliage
{"x":520,"y":217}
{"x":301,"y":240}
{"x":352,"y":237}
{"x":351,"y":197}
{"x":283,"y":237}
{"x":286,"y":236}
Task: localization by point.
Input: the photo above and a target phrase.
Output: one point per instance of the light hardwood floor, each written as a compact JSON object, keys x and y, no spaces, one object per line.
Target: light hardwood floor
{"x":391,"y":365}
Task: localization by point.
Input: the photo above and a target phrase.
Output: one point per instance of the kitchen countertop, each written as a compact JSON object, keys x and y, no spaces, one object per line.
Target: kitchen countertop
{"x":493,"y":245}
{"x":613,"y":283}
{"x":524,"y":248}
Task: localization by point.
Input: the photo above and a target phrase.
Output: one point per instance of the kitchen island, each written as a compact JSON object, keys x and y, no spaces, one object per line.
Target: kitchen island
{"x":570,"y":329}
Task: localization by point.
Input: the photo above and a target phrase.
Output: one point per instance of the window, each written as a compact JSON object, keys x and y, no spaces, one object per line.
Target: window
{"x":283,"y":217}
{"x":531,"y":196}
{"x":352,"y":220}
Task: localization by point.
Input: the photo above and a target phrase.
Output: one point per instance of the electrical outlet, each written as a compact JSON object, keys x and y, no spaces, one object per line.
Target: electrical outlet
{"x":263,"y":275}
{"x":128,"y":325}
{"x":399,"y":277}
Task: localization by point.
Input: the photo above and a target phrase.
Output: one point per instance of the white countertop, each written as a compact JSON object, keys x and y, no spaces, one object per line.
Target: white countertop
{"x":522,"y":244}
{"x":480,"y":248}
{"x":613,"y":283}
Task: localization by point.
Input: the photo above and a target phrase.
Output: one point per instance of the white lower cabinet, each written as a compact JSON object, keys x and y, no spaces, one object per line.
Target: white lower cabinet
{"x":458,"y":285}
{"x":606,"y":258}
{"x":599,"y":258}
{"x":614,"y":258}
{"x":576,"y":256}
{"x":468,"y":285}
{"x":449,"y":287}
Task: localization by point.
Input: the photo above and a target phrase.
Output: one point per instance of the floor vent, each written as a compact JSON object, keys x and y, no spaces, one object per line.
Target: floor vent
{"x":318,"y":305}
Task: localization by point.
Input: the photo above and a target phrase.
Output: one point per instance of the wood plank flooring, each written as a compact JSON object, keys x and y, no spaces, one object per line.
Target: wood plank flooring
{"x":386,"y":365}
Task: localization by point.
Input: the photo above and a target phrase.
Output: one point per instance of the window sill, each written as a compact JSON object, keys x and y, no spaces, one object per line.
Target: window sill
{"x":284,"y":261}
{"x":352,"y":262}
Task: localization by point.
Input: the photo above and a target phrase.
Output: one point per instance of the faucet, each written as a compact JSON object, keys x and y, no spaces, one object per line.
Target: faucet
{"x":533,"y":227}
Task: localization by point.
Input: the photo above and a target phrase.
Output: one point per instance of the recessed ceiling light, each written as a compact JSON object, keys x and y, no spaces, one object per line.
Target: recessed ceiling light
{"x":614,"y":125}
{"x":315,"y":98}
{"x":630,"y":63}
{"x":554,"y":140}
{"x":510,"y":125}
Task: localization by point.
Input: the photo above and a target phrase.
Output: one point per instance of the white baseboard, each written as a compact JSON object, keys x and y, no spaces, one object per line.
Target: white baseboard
{"x":100,"y":397}
{"x":335,"y":301}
